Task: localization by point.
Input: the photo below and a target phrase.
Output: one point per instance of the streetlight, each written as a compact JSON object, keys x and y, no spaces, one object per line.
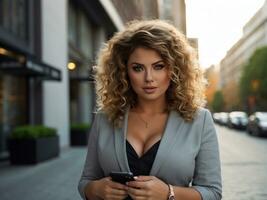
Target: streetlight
{"x":71,"y":65}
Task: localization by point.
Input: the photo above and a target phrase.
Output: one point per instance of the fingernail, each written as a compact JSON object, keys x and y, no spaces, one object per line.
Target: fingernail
{"x":135,"y":177}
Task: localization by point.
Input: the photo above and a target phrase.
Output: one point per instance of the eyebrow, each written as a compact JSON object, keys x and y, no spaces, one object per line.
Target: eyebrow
{"x":152,"y":63}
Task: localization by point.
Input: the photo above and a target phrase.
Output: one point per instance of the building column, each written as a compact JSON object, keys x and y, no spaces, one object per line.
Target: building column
{"x":55,"y":52}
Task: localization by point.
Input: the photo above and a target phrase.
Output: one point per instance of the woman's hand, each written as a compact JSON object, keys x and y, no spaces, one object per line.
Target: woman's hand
{"x":148,"y":187}
{"x":105,"y":188}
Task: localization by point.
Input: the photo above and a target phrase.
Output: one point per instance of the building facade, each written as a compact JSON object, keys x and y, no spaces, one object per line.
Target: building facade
{"x":24,"y":70}
{"x":174,"y":11}
{"x":87,"y":31}
{"x":47,"y":51}
{"x":254,"y":36}
{"x":89,"y":26}
{"x":38,"y":38}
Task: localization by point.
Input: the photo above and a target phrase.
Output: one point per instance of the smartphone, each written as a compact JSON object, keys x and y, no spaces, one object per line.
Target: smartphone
{"x":122,"y":177}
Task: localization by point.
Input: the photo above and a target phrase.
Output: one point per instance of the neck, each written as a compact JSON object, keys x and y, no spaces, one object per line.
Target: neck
{"x":151,"y":107}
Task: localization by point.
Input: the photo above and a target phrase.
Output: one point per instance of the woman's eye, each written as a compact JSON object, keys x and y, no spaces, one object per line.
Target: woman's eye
{"x":159,"y":66}
{"x":137,"y":68}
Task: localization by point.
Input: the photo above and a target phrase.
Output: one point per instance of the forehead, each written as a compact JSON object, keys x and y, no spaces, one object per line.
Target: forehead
{"x":142,"y":54}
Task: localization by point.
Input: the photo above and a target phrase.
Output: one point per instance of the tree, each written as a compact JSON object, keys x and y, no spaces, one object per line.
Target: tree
{"x":212,"y":76}
{"x":230,"y":92}
{"x":253,"y":81}
{"x":218,"y":102}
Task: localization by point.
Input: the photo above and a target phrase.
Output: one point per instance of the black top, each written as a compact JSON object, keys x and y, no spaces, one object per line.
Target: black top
{"x":141,"y":165}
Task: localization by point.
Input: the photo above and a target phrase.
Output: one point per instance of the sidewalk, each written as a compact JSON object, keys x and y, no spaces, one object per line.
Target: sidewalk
{"x":55,"y":179}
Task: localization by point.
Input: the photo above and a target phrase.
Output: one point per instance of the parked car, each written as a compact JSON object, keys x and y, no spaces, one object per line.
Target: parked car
{"x":223,"y":120}
{"x":238,"y":120}
{"x":216,"y":117}
{"x":257,"y":124}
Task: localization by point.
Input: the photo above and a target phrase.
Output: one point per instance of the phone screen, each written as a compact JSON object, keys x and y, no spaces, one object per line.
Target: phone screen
{"x":122,"y":177}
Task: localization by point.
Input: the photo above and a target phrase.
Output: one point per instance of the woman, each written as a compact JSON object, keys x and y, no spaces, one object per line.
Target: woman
{"x":150,"y":121}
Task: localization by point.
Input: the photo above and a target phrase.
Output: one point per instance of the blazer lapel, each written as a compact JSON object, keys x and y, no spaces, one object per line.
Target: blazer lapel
{"x":173,"y":127}
{"x":120,"y":144}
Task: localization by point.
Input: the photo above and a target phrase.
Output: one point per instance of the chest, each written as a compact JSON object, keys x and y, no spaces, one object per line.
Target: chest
{"x":143,"y":136}
{"x":175,"y":158}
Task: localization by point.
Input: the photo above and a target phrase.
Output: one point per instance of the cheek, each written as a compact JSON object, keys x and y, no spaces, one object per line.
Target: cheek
{"x":166,"y":81}
{"x":135,"y":80}
{"x":167,"y":84}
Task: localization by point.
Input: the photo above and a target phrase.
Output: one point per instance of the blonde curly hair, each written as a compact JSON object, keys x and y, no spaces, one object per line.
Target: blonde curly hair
{"x":114,"y":92}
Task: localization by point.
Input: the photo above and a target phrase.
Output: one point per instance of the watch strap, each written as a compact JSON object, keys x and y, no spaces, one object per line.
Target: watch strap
{"x":171,"y":193}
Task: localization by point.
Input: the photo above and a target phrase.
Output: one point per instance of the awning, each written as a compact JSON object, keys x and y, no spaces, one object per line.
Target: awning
{"x":29,"y":66}
{"x":82,"y":78}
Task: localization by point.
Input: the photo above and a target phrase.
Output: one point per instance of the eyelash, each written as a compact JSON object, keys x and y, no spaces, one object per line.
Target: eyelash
{"x":159,"y":67}
{"x":138,"y":68}
{"x":156,"y":67}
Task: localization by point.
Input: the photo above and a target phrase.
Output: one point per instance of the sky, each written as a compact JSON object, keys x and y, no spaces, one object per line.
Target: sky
{"x":218,"y":25}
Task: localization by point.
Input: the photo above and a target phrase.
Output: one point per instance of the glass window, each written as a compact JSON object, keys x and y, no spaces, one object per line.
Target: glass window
{"x":13,"y":105}
{"x":86,"y":42}
{"x":72,"y":26}
{"x":13,"y":17}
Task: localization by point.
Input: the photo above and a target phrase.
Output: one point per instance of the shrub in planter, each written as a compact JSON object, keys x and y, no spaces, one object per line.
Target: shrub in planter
{"x":79,"y":134}
{"x":33,"y":144}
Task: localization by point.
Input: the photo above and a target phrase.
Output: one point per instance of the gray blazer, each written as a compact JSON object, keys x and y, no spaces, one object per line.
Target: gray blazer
{"x":188,"y":154}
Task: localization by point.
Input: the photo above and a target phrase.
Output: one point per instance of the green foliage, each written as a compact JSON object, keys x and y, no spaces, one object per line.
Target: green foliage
{"x":253,"y":81}
{"x":80,"y":127}
{"x":217,"y":102}
{"x":29,"y":131}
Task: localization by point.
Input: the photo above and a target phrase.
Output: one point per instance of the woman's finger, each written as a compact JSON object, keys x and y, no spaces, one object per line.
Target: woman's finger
{"x":118,"y":192}
{"x":137,"y":184}
{"x":137,"y":192}
{"x":118,"y":186}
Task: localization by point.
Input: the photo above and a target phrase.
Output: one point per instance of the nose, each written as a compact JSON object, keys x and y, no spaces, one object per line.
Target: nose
{"x":149,"y":76}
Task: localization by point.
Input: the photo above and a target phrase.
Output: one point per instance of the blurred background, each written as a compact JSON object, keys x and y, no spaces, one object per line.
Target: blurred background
{"x":48,"y":49}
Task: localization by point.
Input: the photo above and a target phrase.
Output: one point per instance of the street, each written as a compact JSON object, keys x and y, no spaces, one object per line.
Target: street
{"x":244,"y":165}
{"x":244,"y":172}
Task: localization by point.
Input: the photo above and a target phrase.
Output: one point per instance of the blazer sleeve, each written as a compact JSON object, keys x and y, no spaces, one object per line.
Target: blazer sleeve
{"x":92,"y":169}
{"x":207,"y":175}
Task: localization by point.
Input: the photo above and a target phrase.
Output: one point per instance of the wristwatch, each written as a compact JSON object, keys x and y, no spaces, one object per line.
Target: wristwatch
{"x":171,"y":193}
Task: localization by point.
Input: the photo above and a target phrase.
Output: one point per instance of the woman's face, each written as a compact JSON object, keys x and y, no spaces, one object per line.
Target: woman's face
{"x":149,"y":75}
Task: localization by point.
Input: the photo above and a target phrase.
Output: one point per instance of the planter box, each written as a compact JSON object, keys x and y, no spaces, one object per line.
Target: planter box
{"x":32,"y":151}
{"x":78,"y":137}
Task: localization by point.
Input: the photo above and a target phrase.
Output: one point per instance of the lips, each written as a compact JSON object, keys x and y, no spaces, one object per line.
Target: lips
{"x":150,"y":90}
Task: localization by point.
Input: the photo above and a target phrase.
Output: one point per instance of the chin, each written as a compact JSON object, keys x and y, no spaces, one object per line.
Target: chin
{"x":150,"y":97}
